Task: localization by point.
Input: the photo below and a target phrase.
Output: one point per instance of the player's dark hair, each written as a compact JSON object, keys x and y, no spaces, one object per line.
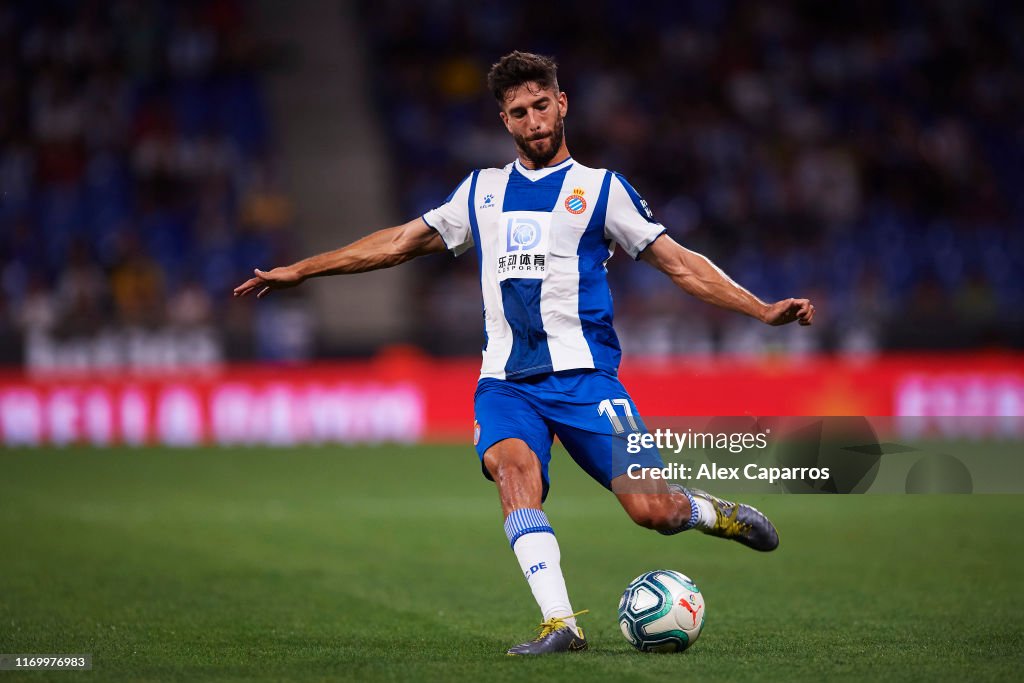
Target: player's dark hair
{"x":517,"y":68}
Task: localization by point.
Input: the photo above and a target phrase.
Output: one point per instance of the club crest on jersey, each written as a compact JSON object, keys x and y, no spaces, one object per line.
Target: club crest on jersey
{"x":575,"y":203}
{"x":476,"y":433}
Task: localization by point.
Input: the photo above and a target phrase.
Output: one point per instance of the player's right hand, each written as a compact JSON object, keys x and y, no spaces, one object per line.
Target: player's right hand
{"x":278,"y":278}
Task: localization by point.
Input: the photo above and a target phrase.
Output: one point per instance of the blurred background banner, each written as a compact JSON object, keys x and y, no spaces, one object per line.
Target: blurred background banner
{"x":152,"y":153}
{"x":409,"y":398}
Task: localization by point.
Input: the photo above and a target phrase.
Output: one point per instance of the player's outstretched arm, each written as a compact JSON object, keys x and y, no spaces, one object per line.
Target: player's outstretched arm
{"x":697,"y":275}
{"x":382,"y":249}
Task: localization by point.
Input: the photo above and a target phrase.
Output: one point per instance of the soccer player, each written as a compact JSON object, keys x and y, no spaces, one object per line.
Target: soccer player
{"x":543,"y":228}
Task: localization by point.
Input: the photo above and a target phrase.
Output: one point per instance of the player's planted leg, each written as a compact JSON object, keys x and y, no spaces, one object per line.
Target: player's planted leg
{"x":516,"y":471}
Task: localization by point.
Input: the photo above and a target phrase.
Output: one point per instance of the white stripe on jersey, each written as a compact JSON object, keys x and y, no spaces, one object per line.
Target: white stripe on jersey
{"x":499,"y":332}
{"x":560,"y":296}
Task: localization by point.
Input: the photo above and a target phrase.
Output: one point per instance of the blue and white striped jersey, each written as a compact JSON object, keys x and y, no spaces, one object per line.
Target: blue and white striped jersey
{"x":542,"y":238}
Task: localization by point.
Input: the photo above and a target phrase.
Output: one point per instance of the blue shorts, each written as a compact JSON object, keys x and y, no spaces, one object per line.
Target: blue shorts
{"x":588,"y":410}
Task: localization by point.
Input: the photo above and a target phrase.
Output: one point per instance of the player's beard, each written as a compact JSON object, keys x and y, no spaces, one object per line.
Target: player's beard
{"x":540,"y":158}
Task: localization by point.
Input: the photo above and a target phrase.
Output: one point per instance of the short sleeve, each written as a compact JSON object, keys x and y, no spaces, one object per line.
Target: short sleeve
{"x":451,"y":219}
{"x":629,"y":220}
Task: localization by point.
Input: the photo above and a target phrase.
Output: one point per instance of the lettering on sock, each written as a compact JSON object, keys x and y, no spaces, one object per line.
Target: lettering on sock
{"x":534,"y":569}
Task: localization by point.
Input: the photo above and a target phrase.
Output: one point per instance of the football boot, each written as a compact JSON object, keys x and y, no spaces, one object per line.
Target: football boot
{"x":554,"y":636}
{"x":743,"y":523}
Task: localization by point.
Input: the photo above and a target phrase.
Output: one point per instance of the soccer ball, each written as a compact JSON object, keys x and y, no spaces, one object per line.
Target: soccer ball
{"x":661,"y":611}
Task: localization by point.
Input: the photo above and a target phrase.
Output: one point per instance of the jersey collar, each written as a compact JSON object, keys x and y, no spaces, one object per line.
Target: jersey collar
{"x":537,"y":174}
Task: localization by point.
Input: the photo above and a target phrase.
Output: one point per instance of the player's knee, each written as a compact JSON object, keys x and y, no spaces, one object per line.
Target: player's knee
{"x":512,"y":463}
{"x":517,"y":470}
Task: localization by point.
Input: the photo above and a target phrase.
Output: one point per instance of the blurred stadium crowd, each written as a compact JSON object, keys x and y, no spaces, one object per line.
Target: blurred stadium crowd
{"x":137,"y":181}
{"x":869,"y":155}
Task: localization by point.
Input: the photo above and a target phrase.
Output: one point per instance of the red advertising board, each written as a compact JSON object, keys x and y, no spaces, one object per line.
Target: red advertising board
{"x":406,"y":397}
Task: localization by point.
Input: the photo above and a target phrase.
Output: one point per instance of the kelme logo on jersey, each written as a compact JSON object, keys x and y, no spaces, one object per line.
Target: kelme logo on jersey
{"x":575,"y":203}
{"x":523,"y":251}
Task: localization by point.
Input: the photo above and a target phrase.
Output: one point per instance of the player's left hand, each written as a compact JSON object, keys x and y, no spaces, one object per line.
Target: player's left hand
{"x":786,"y":311}
{"x":265,"y":281}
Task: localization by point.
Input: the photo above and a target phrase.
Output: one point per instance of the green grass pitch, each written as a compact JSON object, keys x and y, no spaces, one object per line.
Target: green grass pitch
{"x":389,"y":563}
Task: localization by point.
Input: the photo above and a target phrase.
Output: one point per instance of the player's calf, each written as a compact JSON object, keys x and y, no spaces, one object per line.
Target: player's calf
{"x":658,"y":511}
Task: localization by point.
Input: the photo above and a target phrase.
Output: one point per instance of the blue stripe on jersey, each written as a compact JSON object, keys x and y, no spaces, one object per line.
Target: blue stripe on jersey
{"x":595,"y":296}
{"x":475,"y":228}
{"x":473,"y":225}
{"x":530,"y":354}
{"x":522,"y":194}
{"x":638,"y":201}
{"x":521,"y":297}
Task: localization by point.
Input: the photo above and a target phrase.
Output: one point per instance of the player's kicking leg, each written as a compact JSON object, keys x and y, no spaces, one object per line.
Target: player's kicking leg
{"x":673,"y":509}
{"x":517,"y":472}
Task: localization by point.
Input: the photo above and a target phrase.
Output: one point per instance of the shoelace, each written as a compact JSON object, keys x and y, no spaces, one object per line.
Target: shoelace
{"x":730,"y":525}
{"x":554,"y":623}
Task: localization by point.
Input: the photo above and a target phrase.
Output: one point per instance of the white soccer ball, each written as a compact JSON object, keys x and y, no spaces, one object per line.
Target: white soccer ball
{"x":661,"y":611}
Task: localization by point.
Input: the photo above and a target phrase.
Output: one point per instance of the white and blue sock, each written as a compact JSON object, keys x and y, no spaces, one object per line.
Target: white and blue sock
{"x":533,"y":541}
